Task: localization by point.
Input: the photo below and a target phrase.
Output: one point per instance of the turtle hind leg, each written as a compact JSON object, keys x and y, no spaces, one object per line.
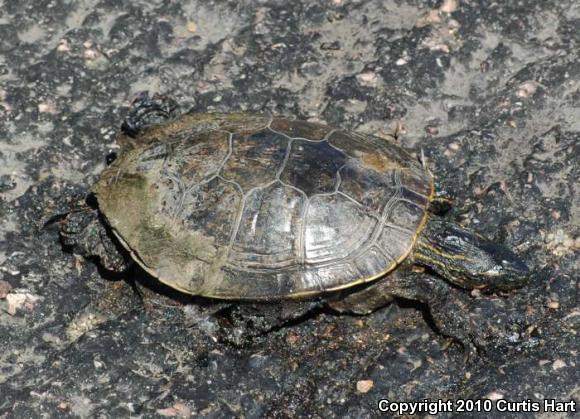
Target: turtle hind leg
{"x":85,"y":233}
{"x":147,"y":111}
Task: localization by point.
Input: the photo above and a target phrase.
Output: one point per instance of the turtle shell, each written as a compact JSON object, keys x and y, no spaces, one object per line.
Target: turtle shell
{"x":254,"y":207}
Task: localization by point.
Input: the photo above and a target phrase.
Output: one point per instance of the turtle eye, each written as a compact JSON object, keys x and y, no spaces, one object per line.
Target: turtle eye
{"x":515,"y":266}
{"x":454,"y":242}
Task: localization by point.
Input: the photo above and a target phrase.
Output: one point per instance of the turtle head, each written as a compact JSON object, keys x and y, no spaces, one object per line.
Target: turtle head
{"x":467,"y":259}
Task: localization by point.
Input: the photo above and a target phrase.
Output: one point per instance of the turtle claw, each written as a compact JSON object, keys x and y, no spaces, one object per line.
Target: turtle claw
{"x":147,"y":111}
{"x":467,"y":337}
{"x":471,"y":351}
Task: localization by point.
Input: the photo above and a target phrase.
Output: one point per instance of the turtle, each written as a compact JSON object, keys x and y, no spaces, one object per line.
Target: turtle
{"x":251,"y":207}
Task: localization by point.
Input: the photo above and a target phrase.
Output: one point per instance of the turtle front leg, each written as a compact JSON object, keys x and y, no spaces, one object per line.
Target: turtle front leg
{"x":449,"y":307}
{"x":84,"y":231}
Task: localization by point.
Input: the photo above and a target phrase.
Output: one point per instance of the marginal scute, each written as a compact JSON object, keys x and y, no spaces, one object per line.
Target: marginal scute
{"x":394,"y":241}
{"x":374,"y":153}
{"x":300,"y":129}
{"x":250,"y":207}
{"x":195,"y":123}
{"x":329,"y":276}
{"x":372,"y":261}
{"x":241,"y":123}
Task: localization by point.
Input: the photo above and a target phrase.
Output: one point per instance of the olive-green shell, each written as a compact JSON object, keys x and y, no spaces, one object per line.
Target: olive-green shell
{"x":246,"y":206}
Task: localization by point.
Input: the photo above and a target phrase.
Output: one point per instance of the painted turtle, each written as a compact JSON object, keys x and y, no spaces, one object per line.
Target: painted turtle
{"x":253,"y":207}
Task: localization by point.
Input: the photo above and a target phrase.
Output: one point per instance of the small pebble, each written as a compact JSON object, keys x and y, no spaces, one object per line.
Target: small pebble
{"x":527,"y":88}
{"x":440,"y":46}
{"x":179,"y":410}
{"x":475,"y":293}
{"x":367,"y":78}
{"x":429,"y":19}
{"x":63,"y":46}
{"x":415,"y":364}
{"x":20,"y":300}
{"x":453,"y":25}
{"x":449,"y":6}
{"x":91,"y":54}
{"x":494,"y":395}
{"x":5,"y":288}
{"x":432,"y":130}
{"x":292,"y":338}
{"x":364,"y":386}
{"x":46,"y":107}
{"x":560,"y":243}
{"x":558,"y":364}
{"x":191,"y":27}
